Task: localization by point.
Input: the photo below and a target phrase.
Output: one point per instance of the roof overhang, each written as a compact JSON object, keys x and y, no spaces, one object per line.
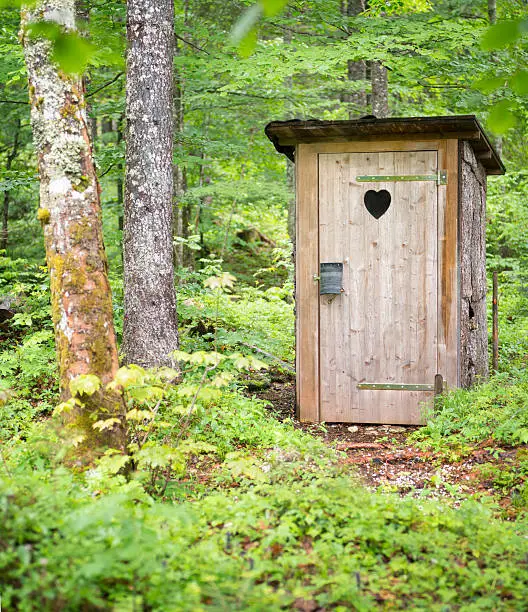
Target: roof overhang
{"x":285,"y":135}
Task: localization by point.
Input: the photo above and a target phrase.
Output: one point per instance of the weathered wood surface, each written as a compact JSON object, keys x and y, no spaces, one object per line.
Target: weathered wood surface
{"x":448,"y":264}
{"x":307,"y":290}
{"x":472,"y":262}
{"x":285,"y":134}
{"x":383,"y":328}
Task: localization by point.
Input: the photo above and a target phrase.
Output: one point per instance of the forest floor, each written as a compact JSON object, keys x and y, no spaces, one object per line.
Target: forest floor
{"x":386,"y":458}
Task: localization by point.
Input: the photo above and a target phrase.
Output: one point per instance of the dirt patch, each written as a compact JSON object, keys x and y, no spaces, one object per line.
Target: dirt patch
{"x":386,"y":460}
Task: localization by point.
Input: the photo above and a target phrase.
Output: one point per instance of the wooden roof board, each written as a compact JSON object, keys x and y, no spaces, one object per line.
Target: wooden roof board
{"x":285,"y":135}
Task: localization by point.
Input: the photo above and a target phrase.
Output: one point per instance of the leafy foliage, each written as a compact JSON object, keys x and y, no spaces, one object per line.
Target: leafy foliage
{"x":495,"y":410}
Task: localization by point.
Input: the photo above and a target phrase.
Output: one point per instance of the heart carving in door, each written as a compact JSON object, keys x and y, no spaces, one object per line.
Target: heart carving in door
{"x":377,"y":202}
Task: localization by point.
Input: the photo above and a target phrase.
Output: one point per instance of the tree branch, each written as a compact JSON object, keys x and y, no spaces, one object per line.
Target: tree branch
{"x":187,"y":42}
{"x":13,"y":102}
{"x":117,"y":76}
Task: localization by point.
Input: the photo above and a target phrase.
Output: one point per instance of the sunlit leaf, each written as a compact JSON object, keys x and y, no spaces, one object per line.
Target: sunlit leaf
{"x":127,"y":376}
{"x":488,"y":85}
{"x":248,"y":43}
{"x":273,"y":7}
{"x":138,"y":415}
{"x":106,"y":424}
{"x":85,"y":384}
{"x":501,"y":34}
{"x":72,"y":52}
{"x":112,"y":463}
{"x":145,"y":393}
{"x":377,"y":8}
{"x":16,"y":4}
{"x":501,"y":117}
{"x":66,"y":406}
{"x":519,"y":82}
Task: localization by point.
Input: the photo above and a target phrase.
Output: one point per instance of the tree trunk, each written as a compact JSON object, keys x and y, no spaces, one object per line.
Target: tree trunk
{"x":356,"y":71}
{"x":5,"y":212}
{"x":472,"y":253}
{"x":150,"y":332}
{"x":492,"y":15}
{"x":380,"y":90}
{"x":181,"y":209}
{"x":492,"y":11}
{"x":70,"y":213}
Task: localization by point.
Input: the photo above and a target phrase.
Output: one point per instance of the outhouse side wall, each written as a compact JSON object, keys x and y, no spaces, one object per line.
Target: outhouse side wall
{"x":473,"y":349}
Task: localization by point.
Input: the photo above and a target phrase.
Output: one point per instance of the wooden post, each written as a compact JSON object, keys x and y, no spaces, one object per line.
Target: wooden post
{"x":495,"y":332}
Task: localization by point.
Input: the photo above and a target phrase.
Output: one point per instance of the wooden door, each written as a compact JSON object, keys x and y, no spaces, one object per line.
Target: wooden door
{"x":382,"y":329}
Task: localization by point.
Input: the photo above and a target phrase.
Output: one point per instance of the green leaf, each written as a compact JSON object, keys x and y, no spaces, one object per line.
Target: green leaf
{"x":489,"y":85}
{"x":16,"y":4}
{"x":72,"y":52}
{"x":501,"y":34}
{"x":106,"y":424}
{"x":519,"y":82}
{"x":273,"y":7}
{"x":248,"y":43}
{"x":246,"y":23}
{"x":127,"y":376}
{"x":501,"y":117}
{"x":85,"y":384}
{"x":112,"y":463}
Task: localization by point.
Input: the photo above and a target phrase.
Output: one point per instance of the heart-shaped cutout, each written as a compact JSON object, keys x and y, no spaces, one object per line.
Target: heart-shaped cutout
{"x":377,"y":202}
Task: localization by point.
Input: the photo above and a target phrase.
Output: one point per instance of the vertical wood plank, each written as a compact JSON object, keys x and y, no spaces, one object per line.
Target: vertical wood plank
{"x":307,"y":290}
{"x":384,"y":327}
{"x":448,"y":291}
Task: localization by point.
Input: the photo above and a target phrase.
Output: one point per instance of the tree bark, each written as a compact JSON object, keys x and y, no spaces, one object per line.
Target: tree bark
{"x":380,"y":90}
{"x":473,"y":285}
{"x":492,"y":16}
{"x":492,"y":11}
{"x":5,"y":212}
{"x":182,"y":212}
{"x":356,"y":71}
{"x":150,"y":332}
{"x":70,"y":213}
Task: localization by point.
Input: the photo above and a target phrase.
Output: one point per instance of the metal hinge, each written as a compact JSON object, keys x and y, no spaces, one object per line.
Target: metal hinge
{"x":440,"y":178}
{"x":394,"y":387}
{"x":438,"y":387}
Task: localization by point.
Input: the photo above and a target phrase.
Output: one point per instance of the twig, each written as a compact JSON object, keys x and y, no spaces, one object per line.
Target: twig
{"x":13,"y":102}
{"x":149,"y":429}
{"x":270,"y":355}
{"x":107,"y":170}
{"x":187,"y":42}
{"x":191,"y":407}
{"x":117,"y":76}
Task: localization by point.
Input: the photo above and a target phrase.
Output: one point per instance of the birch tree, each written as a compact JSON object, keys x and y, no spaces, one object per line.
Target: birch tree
{"x":70,"y":214}
{"x":150,"y":332}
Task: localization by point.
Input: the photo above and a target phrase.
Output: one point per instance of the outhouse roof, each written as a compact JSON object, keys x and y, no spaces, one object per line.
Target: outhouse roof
{"x":286,"y":134}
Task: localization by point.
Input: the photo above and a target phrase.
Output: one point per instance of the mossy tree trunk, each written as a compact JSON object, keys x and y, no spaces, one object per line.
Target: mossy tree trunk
{"x":70,"y":213}
{"x":150,"y":332}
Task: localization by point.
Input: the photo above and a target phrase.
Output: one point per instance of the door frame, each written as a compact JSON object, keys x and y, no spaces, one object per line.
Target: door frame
{"x":307,"y":260}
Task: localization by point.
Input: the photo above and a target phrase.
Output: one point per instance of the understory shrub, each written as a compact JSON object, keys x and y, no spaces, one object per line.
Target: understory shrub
{"x":323,"y":542}
{"x":497,"y":409}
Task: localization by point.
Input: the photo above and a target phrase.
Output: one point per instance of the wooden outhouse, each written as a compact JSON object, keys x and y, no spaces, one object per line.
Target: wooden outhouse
{"x":390,"y":262}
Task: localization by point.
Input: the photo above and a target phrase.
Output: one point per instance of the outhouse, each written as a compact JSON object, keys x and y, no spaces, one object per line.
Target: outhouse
{"x":390,"y":262}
